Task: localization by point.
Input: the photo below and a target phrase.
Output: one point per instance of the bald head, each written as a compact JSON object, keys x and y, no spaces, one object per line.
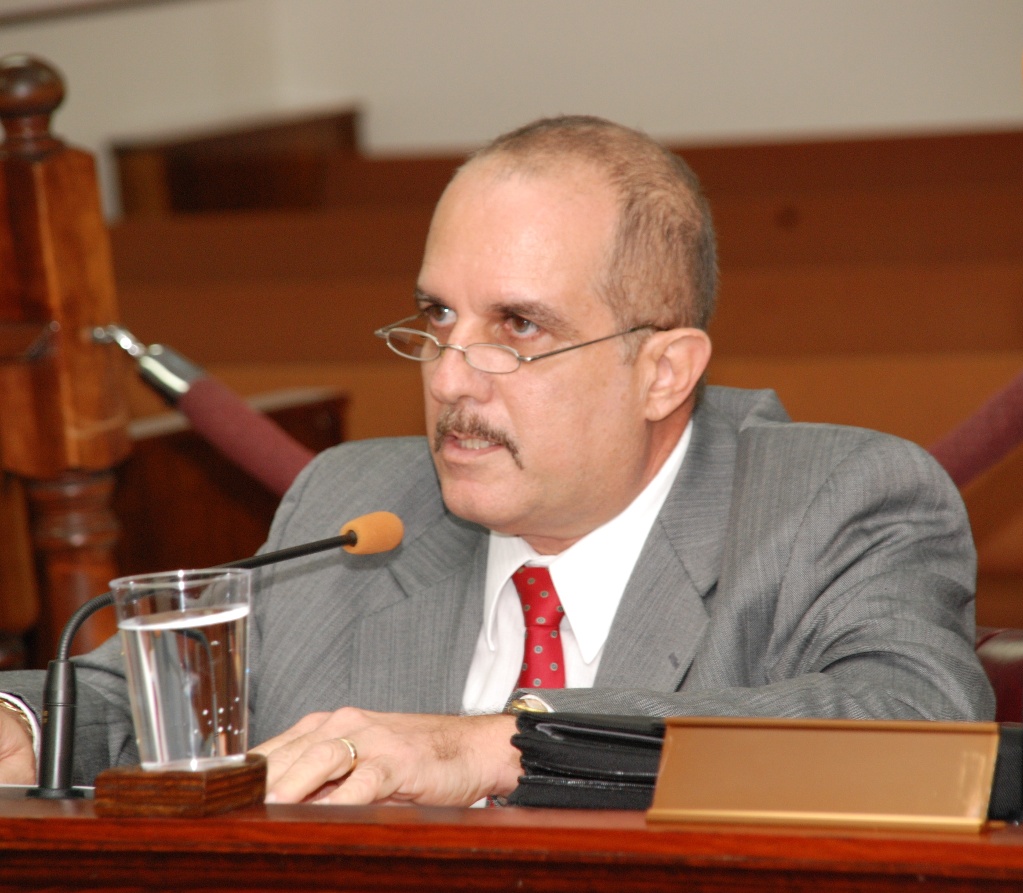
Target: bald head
{"x":661,"y":265}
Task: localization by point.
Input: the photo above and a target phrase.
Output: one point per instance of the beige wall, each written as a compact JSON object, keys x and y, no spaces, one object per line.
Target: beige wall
{"x":449,"y":73}
{"x":462,"y":70}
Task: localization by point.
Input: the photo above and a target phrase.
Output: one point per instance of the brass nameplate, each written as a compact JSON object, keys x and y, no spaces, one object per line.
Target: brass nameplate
{"x":935,"y":775}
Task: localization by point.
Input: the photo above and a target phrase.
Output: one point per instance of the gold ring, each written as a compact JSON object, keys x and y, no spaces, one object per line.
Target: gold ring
{"x":352,"y":752}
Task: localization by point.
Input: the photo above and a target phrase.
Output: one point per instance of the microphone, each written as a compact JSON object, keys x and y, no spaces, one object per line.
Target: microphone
{"x":365,"y":535}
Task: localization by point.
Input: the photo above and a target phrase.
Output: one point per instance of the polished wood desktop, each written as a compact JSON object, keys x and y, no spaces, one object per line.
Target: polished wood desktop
{"x":63,"y":845}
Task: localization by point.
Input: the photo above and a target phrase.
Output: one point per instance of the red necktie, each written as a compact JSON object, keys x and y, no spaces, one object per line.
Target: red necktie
{"x":542,"y":659}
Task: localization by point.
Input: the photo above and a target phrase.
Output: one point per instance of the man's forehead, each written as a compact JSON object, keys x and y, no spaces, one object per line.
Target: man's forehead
{"x":512,"y":243}
{"x":490,"y":198}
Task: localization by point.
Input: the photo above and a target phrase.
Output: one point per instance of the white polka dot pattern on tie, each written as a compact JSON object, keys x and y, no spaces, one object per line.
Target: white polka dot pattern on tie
{"x":543,"y":665}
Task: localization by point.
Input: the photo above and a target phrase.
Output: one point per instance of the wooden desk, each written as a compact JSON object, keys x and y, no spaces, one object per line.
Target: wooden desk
{"x":62,"y":845}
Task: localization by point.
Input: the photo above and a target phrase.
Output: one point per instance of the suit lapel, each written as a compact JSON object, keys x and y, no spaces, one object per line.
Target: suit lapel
{"x":415,"y":639}
{"x":662,"y":614}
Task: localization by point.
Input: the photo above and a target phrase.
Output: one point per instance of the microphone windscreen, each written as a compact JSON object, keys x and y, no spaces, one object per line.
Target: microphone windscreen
{"x":375,"y":532}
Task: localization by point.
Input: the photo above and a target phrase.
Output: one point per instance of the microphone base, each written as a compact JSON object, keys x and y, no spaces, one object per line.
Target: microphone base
{"x":59,"y":793}
{"x":134,"y":791}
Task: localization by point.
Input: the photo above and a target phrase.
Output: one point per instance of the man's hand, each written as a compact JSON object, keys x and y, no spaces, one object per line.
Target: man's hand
{"x":402,"y":758}
{"x":17,"y":755}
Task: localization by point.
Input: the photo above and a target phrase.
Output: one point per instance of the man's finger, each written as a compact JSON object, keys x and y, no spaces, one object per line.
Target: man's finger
{"x":301,"y":768}
{"x":368,"y":784}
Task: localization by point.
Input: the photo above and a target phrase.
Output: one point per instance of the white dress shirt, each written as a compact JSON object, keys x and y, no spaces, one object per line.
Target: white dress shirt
{"x":590,"y":577}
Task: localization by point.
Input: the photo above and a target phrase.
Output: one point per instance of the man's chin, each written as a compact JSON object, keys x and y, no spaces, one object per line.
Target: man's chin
{"x":478,"y":504}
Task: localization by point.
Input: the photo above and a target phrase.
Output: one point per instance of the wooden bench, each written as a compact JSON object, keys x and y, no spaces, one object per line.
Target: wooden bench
{"x":279,"y":163}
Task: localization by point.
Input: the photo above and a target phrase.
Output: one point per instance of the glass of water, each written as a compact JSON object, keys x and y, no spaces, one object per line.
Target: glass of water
{"x":184,"y":639}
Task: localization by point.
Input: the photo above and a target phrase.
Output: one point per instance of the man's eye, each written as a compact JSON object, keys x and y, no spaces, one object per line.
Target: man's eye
{"x":438,"y":315}
{"x":522,"y":327}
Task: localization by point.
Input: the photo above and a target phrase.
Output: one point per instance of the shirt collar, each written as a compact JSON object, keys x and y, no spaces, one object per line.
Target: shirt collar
{"x":590,"y":576}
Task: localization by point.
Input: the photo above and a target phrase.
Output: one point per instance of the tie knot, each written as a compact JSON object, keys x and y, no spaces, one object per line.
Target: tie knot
{"x":541,"y":606}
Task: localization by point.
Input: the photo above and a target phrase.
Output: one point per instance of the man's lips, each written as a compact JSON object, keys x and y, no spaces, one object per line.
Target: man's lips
{"x":471,"y":443}
{"x":468,"y":431}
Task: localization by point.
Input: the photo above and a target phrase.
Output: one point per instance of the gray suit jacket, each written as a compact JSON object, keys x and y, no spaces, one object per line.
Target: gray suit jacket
{"x":794,"y":570}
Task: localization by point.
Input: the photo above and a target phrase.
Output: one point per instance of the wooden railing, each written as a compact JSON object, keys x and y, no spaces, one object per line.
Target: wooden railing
{"x":66,"y":419}
{"x":63,"y":411}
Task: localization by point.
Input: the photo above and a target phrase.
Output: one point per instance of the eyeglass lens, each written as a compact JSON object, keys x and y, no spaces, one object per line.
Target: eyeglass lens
{"x":484,"y":357}
{"x":414,"y":345}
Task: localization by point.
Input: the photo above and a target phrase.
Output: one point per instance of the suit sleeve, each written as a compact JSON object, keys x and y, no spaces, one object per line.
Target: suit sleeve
{"x":846,"y":591}
{"x":104,"y":733}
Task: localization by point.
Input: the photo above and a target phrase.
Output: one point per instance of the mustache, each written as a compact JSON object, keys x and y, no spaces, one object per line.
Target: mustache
{"x":469,"y":424}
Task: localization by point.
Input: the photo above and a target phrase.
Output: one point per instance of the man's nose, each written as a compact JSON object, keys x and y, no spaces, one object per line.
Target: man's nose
{"x":450,"y":378}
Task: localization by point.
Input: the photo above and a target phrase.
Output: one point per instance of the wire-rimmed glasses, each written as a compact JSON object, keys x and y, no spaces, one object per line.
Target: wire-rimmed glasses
{"x":497,"y":359}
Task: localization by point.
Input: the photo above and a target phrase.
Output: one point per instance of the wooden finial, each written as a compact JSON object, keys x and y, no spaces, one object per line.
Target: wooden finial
{"x":30,"y":91}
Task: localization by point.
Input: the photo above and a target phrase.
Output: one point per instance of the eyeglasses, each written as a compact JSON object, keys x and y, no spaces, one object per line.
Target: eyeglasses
{"x":497,"y":359}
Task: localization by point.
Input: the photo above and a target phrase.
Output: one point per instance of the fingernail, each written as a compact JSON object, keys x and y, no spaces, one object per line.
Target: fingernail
{"x":270,"y":798}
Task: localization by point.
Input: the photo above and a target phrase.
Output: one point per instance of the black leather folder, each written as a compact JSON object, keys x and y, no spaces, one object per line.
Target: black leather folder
{"x":584,"y":761}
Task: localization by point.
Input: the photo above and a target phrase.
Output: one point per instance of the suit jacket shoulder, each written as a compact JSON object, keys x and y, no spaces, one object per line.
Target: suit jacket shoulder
{"x":797,"y":570}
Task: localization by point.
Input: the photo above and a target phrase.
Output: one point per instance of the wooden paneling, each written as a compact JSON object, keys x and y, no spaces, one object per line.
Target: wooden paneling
{"x":305,"y":320}
{"x":870,"y":308}
{"x":361,"y":181}
{"x":897,"y":226}
{"x":868,"y":163}
{"x":272,"y":245}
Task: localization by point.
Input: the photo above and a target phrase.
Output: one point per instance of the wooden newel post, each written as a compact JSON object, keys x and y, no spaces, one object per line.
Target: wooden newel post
{"x":63,"y":411}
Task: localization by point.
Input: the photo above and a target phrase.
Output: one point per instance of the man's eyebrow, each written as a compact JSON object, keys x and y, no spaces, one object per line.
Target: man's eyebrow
{"x":421,"y":297}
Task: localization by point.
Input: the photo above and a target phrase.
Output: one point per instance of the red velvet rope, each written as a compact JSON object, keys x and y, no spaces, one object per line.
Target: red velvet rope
{"x":249,"y":439}
{"x":984,"y":438}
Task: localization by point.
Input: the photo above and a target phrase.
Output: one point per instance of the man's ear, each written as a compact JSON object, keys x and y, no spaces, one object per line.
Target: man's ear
{"x":679,"y":358}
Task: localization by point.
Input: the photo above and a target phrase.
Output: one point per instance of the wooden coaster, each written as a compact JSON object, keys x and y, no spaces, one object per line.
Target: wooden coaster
{"x":134,"y":791}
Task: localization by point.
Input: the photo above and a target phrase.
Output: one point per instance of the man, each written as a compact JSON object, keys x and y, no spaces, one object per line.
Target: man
{"x":709,"y":556}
